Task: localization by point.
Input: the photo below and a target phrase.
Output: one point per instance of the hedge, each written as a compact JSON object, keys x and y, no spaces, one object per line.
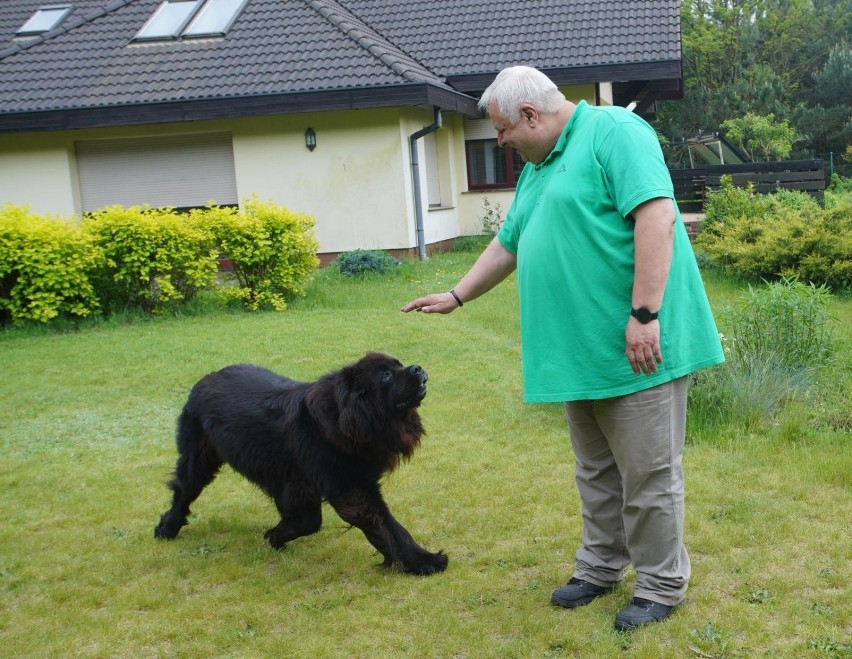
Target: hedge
{"x":272,"y":251}
{"x":45,"y":265}
{"x":152,"y":259}
{"x":155,"y":260}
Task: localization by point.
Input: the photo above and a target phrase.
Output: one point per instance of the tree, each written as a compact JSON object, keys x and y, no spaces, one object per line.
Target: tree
{"x":826,"y":122}
{"x":760,"y":137}
{"x":788,"y":58}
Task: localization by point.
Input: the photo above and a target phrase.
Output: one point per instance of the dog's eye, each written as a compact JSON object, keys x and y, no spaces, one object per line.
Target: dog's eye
{"x":386,"y":376}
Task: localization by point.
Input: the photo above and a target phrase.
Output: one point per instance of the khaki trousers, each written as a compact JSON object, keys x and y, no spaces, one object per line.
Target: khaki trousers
{"x":628,"y":453}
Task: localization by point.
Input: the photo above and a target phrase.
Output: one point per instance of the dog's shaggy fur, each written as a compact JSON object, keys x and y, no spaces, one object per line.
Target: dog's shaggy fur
{"x":305,"y":442}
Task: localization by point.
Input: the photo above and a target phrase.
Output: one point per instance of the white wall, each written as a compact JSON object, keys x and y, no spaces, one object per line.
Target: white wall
{"x":353,"y":183}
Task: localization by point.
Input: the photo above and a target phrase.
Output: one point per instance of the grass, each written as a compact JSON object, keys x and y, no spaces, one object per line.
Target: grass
{"x":86,"y":438}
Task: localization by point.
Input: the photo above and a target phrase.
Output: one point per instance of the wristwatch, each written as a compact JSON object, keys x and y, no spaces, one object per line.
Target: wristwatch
{"x":644,"y":315}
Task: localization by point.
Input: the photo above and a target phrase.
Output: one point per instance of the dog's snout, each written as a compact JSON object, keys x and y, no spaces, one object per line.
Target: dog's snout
{"x":418,"y":370}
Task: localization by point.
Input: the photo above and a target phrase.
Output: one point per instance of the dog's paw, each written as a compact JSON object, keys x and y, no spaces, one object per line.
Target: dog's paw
{"x":429,"y":564}
{"x":276,"y":538}
{"x":166,"y":531}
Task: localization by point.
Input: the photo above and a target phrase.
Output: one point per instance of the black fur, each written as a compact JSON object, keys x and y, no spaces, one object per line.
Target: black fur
{"x":305,"y":442}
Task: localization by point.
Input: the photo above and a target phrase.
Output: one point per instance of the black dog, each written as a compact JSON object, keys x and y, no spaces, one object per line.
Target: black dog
{"x":305,"y":442}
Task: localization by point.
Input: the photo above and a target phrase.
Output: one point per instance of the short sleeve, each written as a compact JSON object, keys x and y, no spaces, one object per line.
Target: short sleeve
{"x":642,"y":176}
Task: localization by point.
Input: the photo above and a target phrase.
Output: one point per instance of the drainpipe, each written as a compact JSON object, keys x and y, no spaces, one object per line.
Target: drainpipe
{"x":415,"y":173}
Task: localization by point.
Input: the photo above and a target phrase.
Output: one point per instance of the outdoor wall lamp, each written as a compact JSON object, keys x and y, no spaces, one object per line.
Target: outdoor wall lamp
{"x":310,"y":139}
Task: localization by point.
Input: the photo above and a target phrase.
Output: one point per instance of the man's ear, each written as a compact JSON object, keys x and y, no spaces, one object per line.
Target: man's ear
{"x":529,"y":114}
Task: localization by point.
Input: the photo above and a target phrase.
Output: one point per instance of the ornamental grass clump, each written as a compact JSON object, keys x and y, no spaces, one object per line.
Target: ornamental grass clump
{"x":778,"y":338}
{"x":44,"y":268}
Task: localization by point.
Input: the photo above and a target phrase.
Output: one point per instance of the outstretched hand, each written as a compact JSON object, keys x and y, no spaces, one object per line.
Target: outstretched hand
{"x":433,"y":303}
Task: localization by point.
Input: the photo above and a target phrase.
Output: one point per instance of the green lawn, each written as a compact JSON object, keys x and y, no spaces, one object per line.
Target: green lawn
{"x":86,"y":439}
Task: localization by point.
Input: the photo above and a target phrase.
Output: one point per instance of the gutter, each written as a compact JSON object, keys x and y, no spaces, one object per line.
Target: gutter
{"x":415,"y":173}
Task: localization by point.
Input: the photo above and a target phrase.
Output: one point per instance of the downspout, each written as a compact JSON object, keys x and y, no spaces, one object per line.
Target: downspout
{"x":415,"y":174}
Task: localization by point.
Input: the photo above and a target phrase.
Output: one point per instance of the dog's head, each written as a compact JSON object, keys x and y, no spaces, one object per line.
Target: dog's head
{"x":376,"y":401}
{"x":390,"y":388}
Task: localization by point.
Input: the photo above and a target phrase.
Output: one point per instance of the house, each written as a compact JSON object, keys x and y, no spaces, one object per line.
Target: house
{"x":362,"y":113}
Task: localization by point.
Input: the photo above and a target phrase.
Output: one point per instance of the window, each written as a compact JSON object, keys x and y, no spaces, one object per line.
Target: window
{"x":190,"y":18}
{"x":44,"y":20}
{"x":491,"y":166}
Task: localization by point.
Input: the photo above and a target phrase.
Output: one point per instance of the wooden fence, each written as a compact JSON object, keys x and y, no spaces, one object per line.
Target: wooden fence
{"x":691,"y":185}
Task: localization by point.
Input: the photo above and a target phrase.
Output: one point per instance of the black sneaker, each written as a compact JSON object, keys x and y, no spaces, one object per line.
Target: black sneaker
{"x":578,"y":593}
{"x":642,"y":612}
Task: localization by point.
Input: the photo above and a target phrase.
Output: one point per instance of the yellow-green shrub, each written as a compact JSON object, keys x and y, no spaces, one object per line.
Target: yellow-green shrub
{"x":154,"y":259}
{"x":769,"y":237}
{"x":731,"y":202}
{"x":272,"y":249}
{"x":44,"y":267}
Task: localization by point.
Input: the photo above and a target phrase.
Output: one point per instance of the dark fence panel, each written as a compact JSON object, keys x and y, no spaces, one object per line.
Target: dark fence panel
{"x":689,"y":189}
{"x":691,"y":185}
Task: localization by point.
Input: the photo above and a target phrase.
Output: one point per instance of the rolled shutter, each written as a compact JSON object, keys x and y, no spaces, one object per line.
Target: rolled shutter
{"x":175,"y":170}
{"x":433,"y":178}
{"x":479,"y":129}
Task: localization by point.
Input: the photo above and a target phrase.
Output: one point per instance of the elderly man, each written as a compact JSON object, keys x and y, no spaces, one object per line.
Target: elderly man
{"x":614,"y":316}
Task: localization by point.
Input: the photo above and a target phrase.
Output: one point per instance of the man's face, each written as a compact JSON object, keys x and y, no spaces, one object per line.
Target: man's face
{"x":516,"y":136}
{"x":520,"y":136}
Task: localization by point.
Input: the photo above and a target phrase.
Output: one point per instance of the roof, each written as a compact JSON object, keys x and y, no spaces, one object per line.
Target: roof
{"x":282,"y":56}
{"x":465,"y":39}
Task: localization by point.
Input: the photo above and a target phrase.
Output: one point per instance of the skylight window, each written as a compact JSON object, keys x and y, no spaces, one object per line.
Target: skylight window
{"x":214,"y":18}
{"x":190,"y":18}
{"x":169,"y":19}
{"x":44,"y":20}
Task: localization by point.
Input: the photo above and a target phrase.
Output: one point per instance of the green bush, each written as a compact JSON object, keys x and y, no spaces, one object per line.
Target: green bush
{"x":361,"y":261}
{"x":153,"y":259}
{"x":793,"y":199}
{"x":492,"y":217}
{"x":839,"y":193}
{"x":44,"y":268}
{"x":272,"y":249}
{"x":729,"y":202}
{"x":768,"y":237}
{"x":839,"y":185}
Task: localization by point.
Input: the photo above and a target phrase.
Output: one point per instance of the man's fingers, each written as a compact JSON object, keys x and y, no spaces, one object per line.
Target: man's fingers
{"x":645,"y":361}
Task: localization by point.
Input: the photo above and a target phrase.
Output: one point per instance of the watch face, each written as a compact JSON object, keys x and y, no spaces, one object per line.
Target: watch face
{"x":643,"y":315}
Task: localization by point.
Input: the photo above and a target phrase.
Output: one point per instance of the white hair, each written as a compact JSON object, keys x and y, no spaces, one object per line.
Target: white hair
{"x":517,"y":85}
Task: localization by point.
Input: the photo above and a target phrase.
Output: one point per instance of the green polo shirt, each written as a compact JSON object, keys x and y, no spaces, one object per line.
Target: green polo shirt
{"x":571,"y":229}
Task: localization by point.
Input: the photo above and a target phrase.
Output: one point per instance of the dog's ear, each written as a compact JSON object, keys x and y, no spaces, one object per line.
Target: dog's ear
{"x":354,"y":418}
